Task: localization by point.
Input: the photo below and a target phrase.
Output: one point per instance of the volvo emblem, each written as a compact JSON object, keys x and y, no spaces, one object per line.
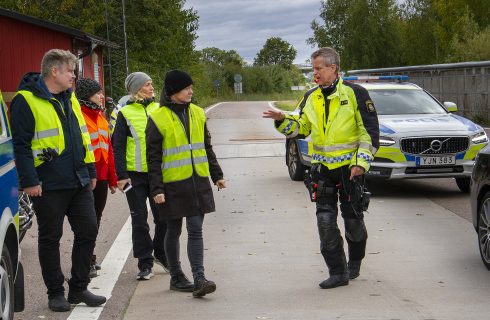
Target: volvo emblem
{"x":436,"y":145}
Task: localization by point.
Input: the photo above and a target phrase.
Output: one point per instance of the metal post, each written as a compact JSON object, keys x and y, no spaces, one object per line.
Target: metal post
{"x":125,"y":36}
{"x":109,"y":49}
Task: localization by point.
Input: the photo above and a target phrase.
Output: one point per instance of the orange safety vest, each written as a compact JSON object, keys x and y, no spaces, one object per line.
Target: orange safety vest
{"x":99,"y":136}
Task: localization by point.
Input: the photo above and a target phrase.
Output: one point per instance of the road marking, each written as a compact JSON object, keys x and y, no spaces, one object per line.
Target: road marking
{"x":271,"y":104}
{"x":112,"y":266}
{"x":213,"y":106}
{"x":111,"y":269}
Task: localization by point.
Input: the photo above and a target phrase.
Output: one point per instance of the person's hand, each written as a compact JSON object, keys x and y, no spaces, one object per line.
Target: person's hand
{"x":220,"y":184}
{"x":93,"y":183}
{"x":35,"y":191}
{"x":356,"y":171}
{"x":113,"y":189}
{"x":159,"y":198}
{"x":122,"y":183}
{"x":273,"y":114}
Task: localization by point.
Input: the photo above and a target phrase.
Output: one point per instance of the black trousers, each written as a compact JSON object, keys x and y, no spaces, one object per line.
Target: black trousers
{"x":195,"y":245}
{"x":51,"y":208}
{"x":100,"y":199}
{"x":338,"y":186}
{"x":143,"y":245}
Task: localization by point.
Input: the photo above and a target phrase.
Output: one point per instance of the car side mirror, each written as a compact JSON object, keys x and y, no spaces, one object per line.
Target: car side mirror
{"x":451,"y":106}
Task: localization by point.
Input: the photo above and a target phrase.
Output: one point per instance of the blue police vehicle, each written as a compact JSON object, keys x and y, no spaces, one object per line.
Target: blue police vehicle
{"x":11,"y":271}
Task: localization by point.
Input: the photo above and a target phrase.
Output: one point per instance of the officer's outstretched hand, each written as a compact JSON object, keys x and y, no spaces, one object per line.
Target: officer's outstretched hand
{"x":220,"y":184}
{"x":159,"y":198}
{"x":273,"y":114}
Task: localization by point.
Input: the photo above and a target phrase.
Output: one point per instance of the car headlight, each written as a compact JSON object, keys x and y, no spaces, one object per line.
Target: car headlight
{"x":386,"y":141}
{"x":480,"y":137}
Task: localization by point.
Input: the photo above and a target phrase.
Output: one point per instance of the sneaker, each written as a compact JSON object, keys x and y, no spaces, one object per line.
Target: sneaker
{"x":161,"y":261}
{"x":93,"y":272}
{"x":202,"y":287}
{"x":97,"y":266}
{"x":144,"y":274}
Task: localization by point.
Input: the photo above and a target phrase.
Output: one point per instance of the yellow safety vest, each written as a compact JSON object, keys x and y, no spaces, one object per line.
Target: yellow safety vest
{"x":180,"y":157}
{"x":339,"y":140}
{"x":48,"y":131}
{"x":137,"y":117}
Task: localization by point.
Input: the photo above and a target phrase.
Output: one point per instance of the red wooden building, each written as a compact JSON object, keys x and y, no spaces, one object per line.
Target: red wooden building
{"x":25,"y":39}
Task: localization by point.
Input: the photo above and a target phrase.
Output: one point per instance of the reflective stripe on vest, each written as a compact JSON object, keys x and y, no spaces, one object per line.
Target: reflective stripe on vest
{"x":48,"y":131}
{"x":136,"y":116}
{"x":179,"y":157}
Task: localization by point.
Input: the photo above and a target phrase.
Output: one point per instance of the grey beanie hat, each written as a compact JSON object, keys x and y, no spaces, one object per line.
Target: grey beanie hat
{"x":135,"y":81}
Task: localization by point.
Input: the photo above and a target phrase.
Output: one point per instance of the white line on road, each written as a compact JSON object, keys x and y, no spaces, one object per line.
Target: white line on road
{"x":111,"y":268}
{"x":271,"y":104}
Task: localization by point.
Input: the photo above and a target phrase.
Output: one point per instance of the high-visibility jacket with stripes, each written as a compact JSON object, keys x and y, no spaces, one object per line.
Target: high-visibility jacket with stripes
{"x":136,"y":116}
{"x":99,"y":136}
{"x":181,"y":157}
{"x":48,"y":131}
{"x":350,"y":133}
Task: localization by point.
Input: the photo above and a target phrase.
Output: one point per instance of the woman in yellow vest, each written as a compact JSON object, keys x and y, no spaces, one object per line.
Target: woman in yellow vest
{"x":130,"y":157}
{"x":89,"y":94}
{"x":180,"y":160}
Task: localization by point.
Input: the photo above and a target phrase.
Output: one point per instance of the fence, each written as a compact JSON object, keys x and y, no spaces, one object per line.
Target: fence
{"x":467,"y":84}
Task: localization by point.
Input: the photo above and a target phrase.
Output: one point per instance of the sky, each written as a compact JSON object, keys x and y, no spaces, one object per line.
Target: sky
{"x":245,"y":25}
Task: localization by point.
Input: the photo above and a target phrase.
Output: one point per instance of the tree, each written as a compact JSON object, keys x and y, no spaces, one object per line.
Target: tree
{"x":332,"y":31}
{"x":364,"y":32}
{"x":221,"y":57}
{"x":276,"y":52}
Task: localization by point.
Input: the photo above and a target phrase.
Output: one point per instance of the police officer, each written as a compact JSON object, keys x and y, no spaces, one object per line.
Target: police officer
{"x":54,"y":160}
{"x":129,"y":142}
{"x":343,"y":124}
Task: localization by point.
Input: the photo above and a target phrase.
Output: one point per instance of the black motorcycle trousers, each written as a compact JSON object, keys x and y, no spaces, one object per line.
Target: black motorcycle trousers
{"x":337,"y":186}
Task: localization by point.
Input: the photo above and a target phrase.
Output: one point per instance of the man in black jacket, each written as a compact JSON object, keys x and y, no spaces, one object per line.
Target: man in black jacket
{"x":55,"y":167}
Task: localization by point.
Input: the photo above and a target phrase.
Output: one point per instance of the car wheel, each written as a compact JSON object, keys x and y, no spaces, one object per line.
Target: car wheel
{"x":463,"y":184}
{"x":6,"y":285}
{"x":295,"y":167}
{"x":484,"y":230}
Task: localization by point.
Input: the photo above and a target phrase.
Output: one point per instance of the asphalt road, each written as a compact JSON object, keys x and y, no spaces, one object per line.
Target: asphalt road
{"x":262,"y":247}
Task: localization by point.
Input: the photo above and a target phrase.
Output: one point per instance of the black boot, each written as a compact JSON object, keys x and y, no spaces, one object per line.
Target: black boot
{"x":87,"y":297}
{"x":181,"y":283}
{"x":354,"y":267}
{"x":58,"y":304}
{"x":202,"y":287}
{"x":335,"y":280}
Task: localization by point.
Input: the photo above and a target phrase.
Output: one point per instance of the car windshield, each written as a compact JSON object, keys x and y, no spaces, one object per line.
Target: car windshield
{"x":404,"y":102}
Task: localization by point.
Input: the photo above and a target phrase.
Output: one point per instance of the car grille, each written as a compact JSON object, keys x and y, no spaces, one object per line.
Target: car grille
{"x":434,"y":145}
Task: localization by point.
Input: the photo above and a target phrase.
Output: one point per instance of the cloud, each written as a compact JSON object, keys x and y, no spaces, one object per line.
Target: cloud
{"x":245,"y":25}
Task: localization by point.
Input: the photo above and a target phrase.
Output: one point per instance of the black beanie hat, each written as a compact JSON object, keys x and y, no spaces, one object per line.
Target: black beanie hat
{"x":176,"y":80}
{"x":86,"y":88}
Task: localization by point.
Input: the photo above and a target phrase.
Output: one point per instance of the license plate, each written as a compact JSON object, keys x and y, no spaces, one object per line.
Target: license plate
{"x":435,"y":160}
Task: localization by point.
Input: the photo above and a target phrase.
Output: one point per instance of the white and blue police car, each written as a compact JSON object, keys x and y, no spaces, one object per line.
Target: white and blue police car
{"x":420,"y":137}
{"x":11,"y":271}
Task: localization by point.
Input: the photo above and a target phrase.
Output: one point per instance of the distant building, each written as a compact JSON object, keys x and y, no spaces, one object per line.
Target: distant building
{"x":25,"y":39}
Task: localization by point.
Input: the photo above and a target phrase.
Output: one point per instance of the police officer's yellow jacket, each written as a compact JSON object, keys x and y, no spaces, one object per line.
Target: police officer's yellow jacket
{"x":349,"y":135}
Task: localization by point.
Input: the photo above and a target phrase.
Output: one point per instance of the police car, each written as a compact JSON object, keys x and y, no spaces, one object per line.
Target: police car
{"x":11,"y":271}
{"x":420,"y":137}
